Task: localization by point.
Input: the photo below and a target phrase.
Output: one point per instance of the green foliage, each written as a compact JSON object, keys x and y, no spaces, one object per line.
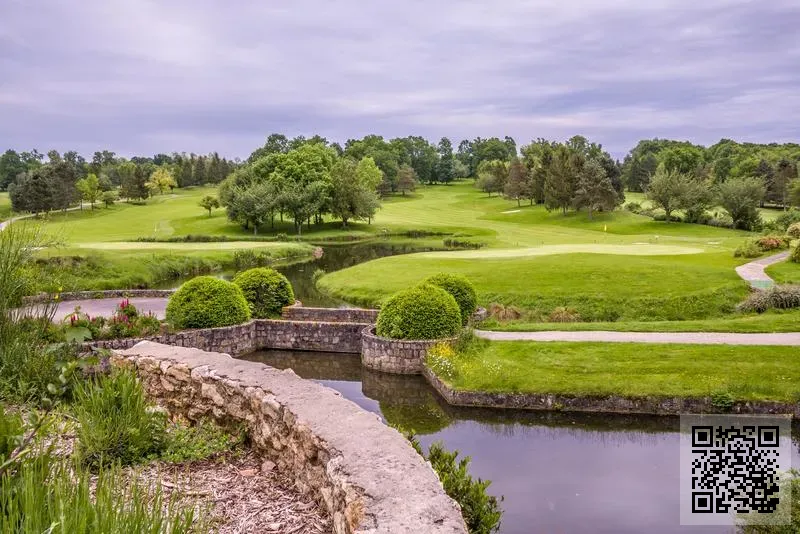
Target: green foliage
{"x":793,"y":230}
{"x":266,"y":290}
{"x":781,"y":297}
{"x":748,"y":249}
{"x":117,"y":425}
{"x":209,"y":203}
{"x":722,"y":401}
{"x":741,"y":197}
{"x":197,"y":442}
{"x":461,"y":289}
{"x":564,"y":314}
{"x":45,"y":494}
{"x":794,"y":257}
{"x":440,"y":358}
{"x":422,"y":312}
{"x":12,"y":431}
{"x":777,"y":523}
{"x":207,"y":302}
{"x":667,"y":190}
{"x":480,"y":510}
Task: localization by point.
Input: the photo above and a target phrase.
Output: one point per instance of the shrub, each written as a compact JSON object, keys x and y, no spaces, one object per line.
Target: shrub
{"x":422,"y":312}
{"x":794,"y":230}
{"x":480,"y":510}
{"x":795,"y":255}
{"x":787,"y":218}
{"x":266,"y":290}
{"x":197,"y":442}
{"x":772,"y":242}
{"x":633,"y":207}
{"x":116,"y":422}
{"x":502,"y":312}
{"x":780,"y":297}
{"x":463,"y":243}
{"x":748,"y":249}
{"x":11,"y":433}
{"x":720,"y":221}
{"x":461,"y":289}
{"x":563,"y":314}
{"x":207,"y":302}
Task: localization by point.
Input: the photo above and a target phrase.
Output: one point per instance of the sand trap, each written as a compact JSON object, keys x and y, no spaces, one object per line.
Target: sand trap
{"x":225,"y":245}
{"x":643,"y":249}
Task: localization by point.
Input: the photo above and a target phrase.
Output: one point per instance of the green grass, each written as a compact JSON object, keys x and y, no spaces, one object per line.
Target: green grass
{"x":5,"y":206}
{"x":785,"y":272}
{"x":767,"y":322}
{"x":631,"y":369}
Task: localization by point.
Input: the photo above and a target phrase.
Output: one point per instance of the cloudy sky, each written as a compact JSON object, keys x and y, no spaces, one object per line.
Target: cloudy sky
{"x":141,"y":77}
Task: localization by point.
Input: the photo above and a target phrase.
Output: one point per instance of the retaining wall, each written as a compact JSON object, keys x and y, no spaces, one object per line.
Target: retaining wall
{"x":332,"y":315}
{"x":365,"y":474}
{"x":255,"y":335}
{"x":394,"y":355}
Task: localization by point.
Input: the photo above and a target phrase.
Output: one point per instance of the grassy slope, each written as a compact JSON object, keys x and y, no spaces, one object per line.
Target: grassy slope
{"x":5,"y":206}
{"x":747,"y":373}
{"x":767,"y":322}
{"x":588,"y":282}
{"x":787,"y":272}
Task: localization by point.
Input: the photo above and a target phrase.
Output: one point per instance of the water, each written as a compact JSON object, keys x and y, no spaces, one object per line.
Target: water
{"x":559,"y":473}
{"x":334,"y":258}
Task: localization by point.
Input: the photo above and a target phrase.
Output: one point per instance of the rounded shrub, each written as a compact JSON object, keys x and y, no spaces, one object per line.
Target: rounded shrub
{"x":267,"y":291}
{"x":422,"y":312}
{"x":207,"y":302}
{"x":795,"y":255}
{"x":794,"y":230}
{"x":461,"y":289}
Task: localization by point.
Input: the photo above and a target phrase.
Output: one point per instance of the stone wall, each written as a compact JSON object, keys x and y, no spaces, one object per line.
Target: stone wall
{"x":399,"y":356}
{"x":255,"y":335}
{"x":111,"y":294}
{"x":331,"y":315}
{"x":365,"y":474}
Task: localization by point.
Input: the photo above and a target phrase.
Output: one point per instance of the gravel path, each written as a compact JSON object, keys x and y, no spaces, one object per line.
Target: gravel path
{"x":702,"y":338}
{"x":753,"y":272}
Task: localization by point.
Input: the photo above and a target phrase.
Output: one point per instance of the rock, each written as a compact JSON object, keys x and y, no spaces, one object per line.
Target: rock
{"x":267,"y":466}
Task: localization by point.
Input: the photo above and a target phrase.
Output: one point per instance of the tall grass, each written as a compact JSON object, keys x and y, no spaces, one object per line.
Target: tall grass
{"x":48,"y":495}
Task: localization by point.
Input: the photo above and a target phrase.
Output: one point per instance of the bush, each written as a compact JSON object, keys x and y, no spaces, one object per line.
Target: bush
{"x":633,"y":207}
{"x":11,"y":433}
{"x":779,"y":297}
{"x":793,"y":230}
{"x":787,"y":218}
{"x":116,"y":422}
{"x":795,"y":255}
{"x":502,"y":312}
{"x":266,"y":290}
{"x":463,"y":243}
{"x":563,"y":314}
{"x":772,"y":242}
{"x":207,"y":302}
{"x":422,"y":312}
{"x":748,"y":249}
{"x":461,"y":289}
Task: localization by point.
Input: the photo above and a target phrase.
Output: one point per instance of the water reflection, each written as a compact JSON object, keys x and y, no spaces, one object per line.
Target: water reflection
{"x":559,"y":472}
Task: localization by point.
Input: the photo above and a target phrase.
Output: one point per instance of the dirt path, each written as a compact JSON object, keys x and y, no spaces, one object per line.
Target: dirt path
{"x":753,"y":273}
{"x":701,"y":338}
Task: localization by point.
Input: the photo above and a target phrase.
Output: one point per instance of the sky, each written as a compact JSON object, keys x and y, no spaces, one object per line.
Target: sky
{"x":143,"y":77}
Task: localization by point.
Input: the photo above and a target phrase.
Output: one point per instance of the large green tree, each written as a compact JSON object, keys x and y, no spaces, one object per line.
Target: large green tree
{"x":741,"y":197}
{"x":667,"y":190}
{"x":445,"y":170}
{"x":89,"y":188}
{"x":594,"y":190}
{"x":353,"y":189}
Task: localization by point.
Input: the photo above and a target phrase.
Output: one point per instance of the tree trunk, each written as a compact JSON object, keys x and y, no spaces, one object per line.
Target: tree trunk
{"x":518,"y":204}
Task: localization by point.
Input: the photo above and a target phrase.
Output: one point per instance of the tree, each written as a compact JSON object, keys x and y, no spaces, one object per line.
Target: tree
{"x":560,"y":179}
{"x":11,"y":166}
{"x":445,"y":170}
{"x":160,"y":180}
{"x":63,"y":178}
{"x":697,"y":199}
{"x":518,"y":182}
{"x":667,"y":190}
{"x":353,"y":188}
{"x":108,"y":198}
{"x":302,"y":201}
{"x":406,"y":179}
{"x":253,"y":204}
{"x":209,"y":202}
{"x":741,"y":197}
{"x":778,"y":189}
{"x":89,"y":188}
{"x":595,"y":191}
{"x":32,"y":191}
{"x":794,"y":193}
{"x":460,"y":170}
{"x":492,"y":176}
{"x":132,"y":181}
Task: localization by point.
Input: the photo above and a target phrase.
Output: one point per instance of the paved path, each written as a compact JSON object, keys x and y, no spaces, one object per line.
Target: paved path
{"x":753,"y":272}
{"x":702,"y":338}
{"x":106,"y":307}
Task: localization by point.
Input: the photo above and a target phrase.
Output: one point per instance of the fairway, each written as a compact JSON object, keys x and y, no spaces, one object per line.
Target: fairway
{"x":179,"y":247}
{"x":5,"y":206}
{"x":642,"y":249}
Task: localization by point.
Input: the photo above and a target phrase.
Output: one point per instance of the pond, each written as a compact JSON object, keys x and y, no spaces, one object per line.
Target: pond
{"x":558,"y":472}
{"x":334,"y":257}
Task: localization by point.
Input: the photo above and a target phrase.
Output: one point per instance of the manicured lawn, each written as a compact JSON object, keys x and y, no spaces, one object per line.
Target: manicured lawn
{"x":786,"y":272}
{"x":598,"y":286}
{"x":5,"y":206}
{"x":630,"y":369}
{"x":767,"y":322}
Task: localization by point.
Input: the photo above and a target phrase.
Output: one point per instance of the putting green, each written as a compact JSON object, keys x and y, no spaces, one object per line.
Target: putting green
{"x":175,"y":247}
{"x":643,"y":249}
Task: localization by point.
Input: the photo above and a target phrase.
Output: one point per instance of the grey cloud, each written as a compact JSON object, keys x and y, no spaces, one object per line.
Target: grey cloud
{"x":146,"y":77}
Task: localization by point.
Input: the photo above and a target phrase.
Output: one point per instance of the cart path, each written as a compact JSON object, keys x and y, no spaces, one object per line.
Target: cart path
{"x":753,"y":273}
{"x":699,"y":338}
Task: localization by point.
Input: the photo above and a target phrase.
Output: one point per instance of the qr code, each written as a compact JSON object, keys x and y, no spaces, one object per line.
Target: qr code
{"x":734,"y":468}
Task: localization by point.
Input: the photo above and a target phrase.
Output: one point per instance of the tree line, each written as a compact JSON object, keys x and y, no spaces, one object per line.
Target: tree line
{"x":36,"y":184}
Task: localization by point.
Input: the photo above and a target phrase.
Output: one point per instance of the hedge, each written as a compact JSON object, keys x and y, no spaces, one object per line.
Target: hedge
{"x":462,"y":290}
{"x":207,"y":302}
{"x":266,"y":290}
